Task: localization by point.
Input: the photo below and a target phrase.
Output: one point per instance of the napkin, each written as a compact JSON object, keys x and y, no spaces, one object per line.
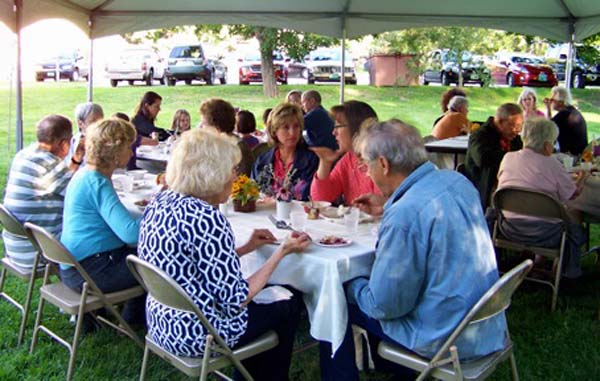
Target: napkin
{"x":272,"y":294}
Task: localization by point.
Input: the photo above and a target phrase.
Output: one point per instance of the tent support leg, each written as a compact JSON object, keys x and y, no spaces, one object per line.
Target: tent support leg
{"x":18,"y":9}
{"x":570,"y":57}
{"x":90,"y":89}
{"x":343,"y":68}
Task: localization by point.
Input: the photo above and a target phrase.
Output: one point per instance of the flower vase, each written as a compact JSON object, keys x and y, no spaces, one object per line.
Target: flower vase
{"x":249,"y":206}
{"x":283,"y":209}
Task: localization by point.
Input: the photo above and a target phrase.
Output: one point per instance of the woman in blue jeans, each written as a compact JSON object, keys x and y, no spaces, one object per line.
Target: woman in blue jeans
{"x":184,"y":234}
{"x":97,"y":229}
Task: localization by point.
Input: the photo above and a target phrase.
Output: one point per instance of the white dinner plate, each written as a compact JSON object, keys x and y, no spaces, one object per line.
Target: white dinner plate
{"x":347,"y":243}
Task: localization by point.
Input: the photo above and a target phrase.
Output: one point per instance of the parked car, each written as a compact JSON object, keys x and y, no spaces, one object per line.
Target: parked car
{"x":586,"y":65}
{"x":220,"y":70}
{"x":519,"y":69}
{"x":251,"y":69}
{"x":441,"y":66}
{"x":136,"y":64}
{"x":325,"y":65}
{"x":187,"y":63}
{"x":71,"y":66}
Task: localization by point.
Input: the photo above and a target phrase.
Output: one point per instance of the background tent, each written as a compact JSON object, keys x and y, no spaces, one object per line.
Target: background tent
{"x":563,"y":20}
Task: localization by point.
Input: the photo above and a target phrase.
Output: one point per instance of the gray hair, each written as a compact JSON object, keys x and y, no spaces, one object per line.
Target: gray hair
{"x":312,"y":94}
{"x":562,"y":94}
{"x":537,"y":131}
{"x":527,"y":91}
{"x":457,"y":102}
{"x":202,"y":163}
{"x":398,"y":142}
{"x":507,"y":110}
{"x":83,"y":110}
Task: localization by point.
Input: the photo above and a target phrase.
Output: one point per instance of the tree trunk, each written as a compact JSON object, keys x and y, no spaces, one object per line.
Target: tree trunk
{"x":266,"y":60}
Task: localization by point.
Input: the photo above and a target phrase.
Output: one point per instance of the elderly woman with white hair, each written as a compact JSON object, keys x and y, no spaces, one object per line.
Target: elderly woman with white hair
{"x":528,"y":101}
{"x":198,"y":252}
{"x":455,"y":121}
{"x":85,"y":114}
{"x":534,"y":167}
{"x":572,"y":129}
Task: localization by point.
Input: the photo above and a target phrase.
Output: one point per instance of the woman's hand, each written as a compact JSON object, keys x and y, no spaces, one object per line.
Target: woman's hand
{"x":327,"y":157}
{"x":370,"y":203}
{"x":295,"y":243}
{"x":258,"y":238}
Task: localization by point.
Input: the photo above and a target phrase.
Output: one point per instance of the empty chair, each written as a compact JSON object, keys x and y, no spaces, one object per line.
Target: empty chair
{"x":446,"y":364}
{"x":90,"y":299}
{"x":13,"y":226}
{"x":217,"y":354}
{"x":532,"y":203}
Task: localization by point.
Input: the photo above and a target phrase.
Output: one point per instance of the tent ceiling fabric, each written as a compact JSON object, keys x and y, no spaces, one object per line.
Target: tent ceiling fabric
{"x":546,"y":18}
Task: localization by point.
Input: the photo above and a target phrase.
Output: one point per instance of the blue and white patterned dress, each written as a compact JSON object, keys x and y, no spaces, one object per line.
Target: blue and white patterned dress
{"x":193,"y":243}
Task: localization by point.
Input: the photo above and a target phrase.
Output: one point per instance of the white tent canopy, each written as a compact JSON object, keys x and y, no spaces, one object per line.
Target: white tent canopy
{"x":563,"y":20}
{"x":555,"y":19}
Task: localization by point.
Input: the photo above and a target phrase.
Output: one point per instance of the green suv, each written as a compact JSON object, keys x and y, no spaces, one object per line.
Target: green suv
{"x":188,"y":63}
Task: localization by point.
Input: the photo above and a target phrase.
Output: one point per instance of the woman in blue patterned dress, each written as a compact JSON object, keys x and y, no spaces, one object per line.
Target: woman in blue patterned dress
{"x":183,"y":233}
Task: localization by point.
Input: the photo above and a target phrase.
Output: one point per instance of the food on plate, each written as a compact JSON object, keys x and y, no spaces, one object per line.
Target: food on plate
{"x":332,"y":240}
{"x":313,"y":213}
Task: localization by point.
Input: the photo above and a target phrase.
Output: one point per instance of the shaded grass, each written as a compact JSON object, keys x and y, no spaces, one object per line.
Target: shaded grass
{"x":559,"y":346}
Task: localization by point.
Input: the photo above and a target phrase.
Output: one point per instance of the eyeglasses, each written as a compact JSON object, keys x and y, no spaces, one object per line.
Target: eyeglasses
{"x":339,"y":126}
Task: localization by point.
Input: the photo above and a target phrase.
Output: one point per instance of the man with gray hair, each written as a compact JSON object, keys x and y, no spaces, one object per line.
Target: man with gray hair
{"x":572,"y":128}
{"x":36,"y":185}
{"x":318,"y":126}
{"x":455,"y":121}
{"x":533,"y":167}
{"x":487,"y":146}
{"x":434,"y":257}
{"x":85,"y":114}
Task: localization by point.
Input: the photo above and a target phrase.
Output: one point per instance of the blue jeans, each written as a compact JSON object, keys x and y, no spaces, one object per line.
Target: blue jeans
{"x":342,"y":366}
{"x":282,"y":317}
{"x":110,"y":273}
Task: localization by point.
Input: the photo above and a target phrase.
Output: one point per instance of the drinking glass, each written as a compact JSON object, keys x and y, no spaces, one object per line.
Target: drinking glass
{"x":351,"y":221}
{"x":298,"y":220}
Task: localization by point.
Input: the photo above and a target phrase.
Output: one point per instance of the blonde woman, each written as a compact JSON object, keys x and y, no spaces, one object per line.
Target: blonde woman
{"x":97,"y":229}
{"x":528,"y":101}
{"x":181,"y":122}
{"x":199,"y":254}
{"x":289,"y":154}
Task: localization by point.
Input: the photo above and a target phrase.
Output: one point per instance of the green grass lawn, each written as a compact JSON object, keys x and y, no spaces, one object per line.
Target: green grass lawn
{"x":564,"y":345}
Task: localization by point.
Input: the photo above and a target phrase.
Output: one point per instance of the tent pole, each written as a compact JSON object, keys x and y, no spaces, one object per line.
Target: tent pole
{"x":90,"y":89}
{"x":18,"y":9}
{"x":569,"y":68}
{"x":343,"y":68}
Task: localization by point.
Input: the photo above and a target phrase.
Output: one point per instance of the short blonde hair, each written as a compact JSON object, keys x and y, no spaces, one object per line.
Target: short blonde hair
{"x":202,"y":163}
{"x":104,"y":141}
{"x":281,"y":115}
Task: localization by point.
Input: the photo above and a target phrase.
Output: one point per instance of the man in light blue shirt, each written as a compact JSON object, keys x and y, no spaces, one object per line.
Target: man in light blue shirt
{"x":434,"y":256}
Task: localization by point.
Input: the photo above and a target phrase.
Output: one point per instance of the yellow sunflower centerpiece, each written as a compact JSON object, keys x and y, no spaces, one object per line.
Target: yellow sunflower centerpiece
{"x":244,"y":193}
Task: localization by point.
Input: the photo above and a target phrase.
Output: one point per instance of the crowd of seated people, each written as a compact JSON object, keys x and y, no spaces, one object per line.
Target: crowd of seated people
{"x":344,"y":156}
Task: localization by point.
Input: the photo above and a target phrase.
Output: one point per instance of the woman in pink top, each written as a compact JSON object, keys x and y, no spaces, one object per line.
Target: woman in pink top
{"x":527,"y":100}
{"x":346,"y":177}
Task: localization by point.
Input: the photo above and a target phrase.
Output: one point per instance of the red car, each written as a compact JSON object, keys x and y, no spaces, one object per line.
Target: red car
{"x":251,"y":70}
{"x":522,"y":70}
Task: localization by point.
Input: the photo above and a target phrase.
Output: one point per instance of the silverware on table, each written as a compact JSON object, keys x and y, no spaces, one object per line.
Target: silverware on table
{"x":279,"y":224}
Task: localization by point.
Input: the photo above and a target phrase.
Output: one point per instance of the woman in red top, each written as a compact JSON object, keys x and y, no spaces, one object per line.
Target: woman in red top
{"x":346,"y":177}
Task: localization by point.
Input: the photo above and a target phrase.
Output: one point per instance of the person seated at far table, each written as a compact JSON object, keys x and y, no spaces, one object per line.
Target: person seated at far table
{"x":145,"y":116}
{"x":455,"y":121}
{"x":534,"y":167}
{"x":347,"y":177}
{"x":528,"y":101}
{"x":318,"y":126}
{"x":181,"y":122}
{"x":97,"y":228}
{"x":446,"y":96}
{"x":572,"y":128}
{"x":294,"y":97}
{"x":199,"y":254}
{"x":488,"y":145}
{"x":245,"y":126}
{"x":139,"y":140}
{"x":289,"y":157}
{"x":434,"y":258}
{"x":220,"y":114}
{"x":36,"y":185}
{"x":85,"y":114}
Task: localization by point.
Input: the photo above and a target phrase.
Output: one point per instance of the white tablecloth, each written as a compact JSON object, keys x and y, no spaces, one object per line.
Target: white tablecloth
{"x":319,"y":272}
{"x":142,"y":190}
{"x":152,"y":153}
{"x":589,"y":199}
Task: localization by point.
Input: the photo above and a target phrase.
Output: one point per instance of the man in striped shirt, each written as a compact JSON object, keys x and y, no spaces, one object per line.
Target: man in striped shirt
{"x":37,"y":182}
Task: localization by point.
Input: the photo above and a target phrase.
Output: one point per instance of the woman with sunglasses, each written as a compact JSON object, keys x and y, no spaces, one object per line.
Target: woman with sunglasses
{"x":347,"y":177}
